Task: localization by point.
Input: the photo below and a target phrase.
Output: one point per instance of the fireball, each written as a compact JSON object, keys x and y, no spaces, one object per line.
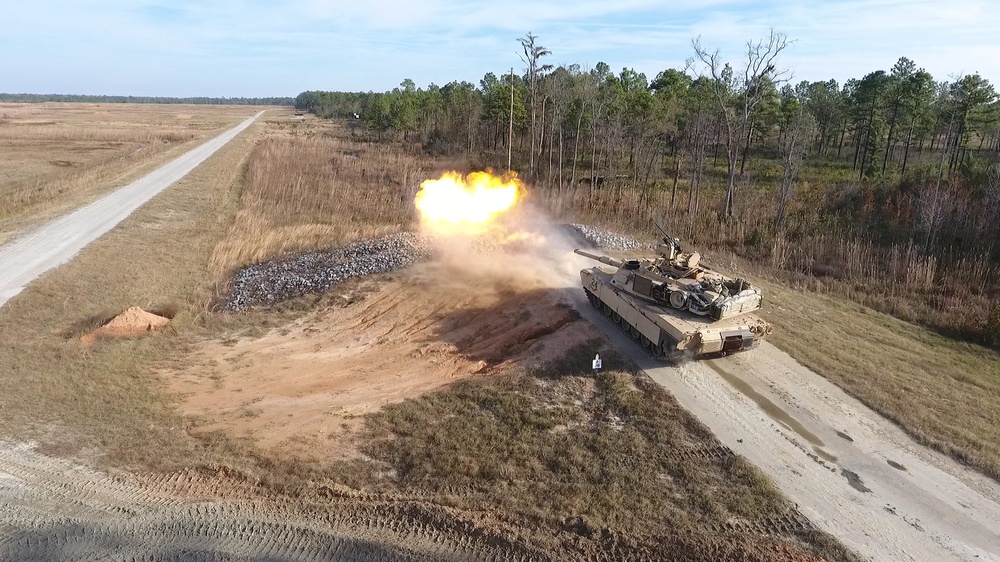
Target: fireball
{"x":469,"y":204}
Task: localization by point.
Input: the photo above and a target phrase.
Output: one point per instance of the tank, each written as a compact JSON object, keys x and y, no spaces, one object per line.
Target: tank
{"x":673,"y":305}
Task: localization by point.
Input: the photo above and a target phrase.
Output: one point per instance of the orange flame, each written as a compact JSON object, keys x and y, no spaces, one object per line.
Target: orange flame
{"x":469,"y":204}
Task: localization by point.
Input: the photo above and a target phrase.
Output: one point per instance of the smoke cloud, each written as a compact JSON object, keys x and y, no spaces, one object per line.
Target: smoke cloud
{"x":518,"y":247}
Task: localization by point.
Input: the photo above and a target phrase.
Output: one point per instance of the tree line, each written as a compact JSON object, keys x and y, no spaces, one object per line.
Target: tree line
{"x":901,"y":132}
{"x":83,"y":98}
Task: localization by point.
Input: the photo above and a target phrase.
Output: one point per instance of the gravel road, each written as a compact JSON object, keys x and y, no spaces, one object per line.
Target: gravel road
{"x":56,"y":242}
{"x":851,"y":472}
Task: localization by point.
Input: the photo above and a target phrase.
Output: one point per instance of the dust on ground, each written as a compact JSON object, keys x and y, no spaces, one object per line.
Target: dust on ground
{"x":295,"y":390}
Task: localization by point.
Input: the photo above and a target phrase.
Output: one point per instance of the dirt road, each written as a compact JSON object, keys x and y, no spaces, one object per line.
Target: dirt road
{"x":854,"y":474}
{"x":56,"y":242}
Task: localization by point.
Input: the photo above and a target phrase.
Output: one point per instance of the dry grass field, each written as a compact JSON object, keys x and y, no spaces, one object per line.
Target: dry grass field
{"x":96,"y":402}
{"x":53,"y":156}
{"x":307,"y":192}
{"x":560,"y":448}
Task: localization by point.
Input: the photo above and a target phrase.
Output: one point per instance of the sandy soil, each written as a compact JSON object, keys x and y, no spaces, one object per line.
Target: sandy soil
{"x":853,"y":473}
{"x":295,"y":389}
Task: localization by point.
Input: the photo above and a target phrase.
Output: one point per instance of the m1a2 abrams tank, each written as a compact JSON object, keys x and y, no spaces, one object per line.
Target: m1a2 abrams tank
{"x":675,"y":307}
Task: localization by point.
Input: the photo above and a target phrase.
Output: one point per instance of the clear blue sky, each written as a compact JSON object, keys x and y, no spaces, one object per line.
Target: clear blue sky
{"x":272,"y":48}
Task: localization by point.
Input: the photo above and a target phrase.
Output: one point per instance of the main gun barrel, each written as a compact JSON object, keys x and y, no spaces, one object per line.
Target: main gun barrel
{"x":603,"y":259}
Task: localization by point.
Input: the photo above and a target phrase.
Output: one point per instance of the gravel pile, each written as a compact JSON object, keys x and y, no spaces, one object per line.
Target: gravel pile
{"x":265,"y":284}
{"x":606,"y":240}
{"x":268,"y":283}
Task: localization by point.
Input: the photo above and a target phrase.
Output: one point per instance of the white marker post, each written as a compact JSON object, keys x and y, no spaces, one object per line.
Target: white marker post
{"x":597,"y":363}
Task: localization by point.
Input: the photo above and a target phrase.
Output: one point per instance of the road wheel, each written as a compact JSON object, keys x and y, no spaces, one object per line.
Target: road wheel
{"x":607,"y":310}
{"x":634,"y":332}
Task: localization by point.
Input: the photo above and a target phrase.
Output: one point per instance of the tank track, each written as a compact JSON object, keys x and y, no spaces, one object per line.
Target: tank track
{"x":653,"y":350}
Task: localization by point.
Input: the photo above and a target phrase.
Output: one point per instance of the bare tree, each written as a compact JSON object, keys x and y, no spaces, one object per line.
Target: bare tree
{"x":532,"y":54}
{"x":794,"y":144}
{"x":738,"y":96}
{"x":557,"y":88}
{"x":585,"y":91}
{"x":934,"y":204}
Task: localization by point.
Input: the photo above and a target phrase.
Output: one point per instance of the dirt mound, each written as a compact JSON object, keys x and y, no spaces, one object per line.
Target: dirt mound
{"x":134,"y":322}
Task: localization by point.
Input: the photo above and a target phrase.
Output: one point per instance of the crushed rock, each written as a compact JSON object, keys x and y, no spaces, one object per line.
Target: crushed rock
{"x":291,"y":276}
{"x":605,"y":239}
{"x":268,"y":283}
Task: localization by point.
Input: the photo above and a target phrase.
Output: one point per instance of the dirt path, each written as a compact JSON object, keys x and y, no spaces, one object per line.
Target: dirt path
{"x":56,"y":242}
{"x":53,"y":510}
{"x":853,"y":473}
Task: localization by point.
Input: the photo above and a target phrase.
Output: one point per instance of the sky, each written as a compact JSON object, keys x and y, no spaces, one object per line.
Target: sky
{"x":258,"y":48}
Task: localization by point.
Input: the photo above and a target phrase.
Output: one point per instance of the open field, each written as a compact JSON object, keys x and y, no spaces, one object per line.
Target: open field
{"x":393,"y":359}
{"x":53,"y":156}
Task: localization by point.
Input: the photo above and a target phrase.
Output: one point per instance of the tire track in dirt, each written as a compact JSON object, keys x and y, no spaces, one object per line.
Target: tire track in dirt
{"x":78,"y":490}
{"x":196,"y":539}
{"x":53,"y":510}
